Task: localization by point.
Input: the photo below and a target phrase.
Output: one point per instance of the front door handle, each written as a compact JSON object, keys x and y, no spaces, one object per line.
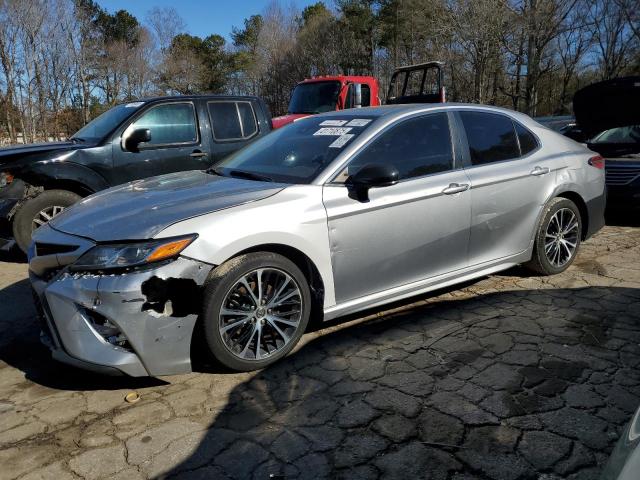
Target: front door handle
{"x":455,"y":188}
{"x":197,"y":154}
{"x":540,"y":171}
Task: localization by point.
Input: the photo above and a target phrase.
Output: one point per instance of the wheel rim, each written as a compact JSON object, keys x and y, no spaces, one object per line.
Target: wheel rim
{"x":260,"y":314}
{"x":561,"y":237}
{"x":45,"y":215}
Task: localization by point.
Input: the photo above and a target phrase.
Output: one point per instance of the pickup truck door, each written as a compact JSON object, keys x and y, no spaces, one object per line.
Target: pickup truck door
{"x":176,"y":143}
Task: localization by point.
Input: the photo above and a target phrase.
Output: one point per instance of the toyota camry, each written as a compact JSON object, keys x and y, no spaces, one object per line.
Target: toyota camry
{"x":331,"y":215}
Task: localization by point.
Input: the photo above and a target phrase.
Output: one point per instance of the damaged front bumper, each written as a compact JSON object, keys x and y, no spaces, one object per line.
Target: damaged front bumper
{"x":138,"y":323}
{"x":10,"y":196}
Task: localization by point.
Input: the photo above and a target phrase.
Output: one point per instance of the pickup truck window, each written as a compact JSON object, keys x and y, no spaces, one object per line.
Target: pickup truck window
{"x":170,"y":124}
{"x":231,"y":120}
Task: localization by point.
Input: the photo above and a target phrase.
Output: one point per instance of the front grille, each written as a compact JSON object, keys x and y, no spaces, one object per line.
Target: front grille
{"x":622,"y":174}
{"x":43,"y":249}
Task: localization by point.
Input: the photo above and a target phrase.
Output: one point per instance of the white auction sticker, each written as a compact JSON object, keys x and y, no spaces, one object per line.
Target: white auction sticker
{"x":333,"y":123}
{"x":336,"y":132}
{"x":133,"y":104}
{"x":358,"y":122}
{"x":342,"y":140}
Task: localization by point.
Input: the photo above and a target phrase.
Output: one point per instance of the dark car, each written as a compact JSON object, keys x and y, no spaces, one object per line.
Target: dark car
{"x":128,"y":142}
{"x":609,"y":115}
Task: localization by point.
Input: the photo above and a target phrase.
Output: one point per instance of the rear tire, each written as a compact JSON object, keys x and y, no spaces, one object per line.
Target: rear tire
{"x":248,"y":329}
{"x":557,"y":239}
{"x":36,"y":210}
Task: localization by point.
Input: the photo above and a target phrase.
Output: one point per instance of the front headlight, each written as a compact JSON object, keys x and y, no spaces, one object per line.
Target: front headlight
{"x":5,"y":179}
{"x":123,"y":255}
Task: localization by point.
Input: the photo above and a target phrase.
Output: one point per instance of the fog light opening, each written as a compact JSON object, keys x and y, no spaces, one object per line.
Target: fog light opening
{"x":106,"y":329}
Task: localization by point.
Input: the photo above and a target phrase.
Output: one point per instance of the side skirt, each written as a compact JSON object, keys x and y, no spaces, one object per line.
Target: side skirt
{"x":424,"y":286}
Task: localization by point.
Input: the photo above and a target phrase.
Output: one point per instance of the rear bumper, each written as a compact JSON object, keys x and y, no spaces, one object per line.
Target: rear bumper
{"x":595,"y":211}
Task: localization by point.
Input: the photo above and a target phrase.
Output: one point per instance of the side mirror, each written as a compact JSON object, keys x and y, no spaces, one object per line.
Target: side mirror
{"x":372,"y":175}
{"x":357,"y":95}
{"x":135,"y":138}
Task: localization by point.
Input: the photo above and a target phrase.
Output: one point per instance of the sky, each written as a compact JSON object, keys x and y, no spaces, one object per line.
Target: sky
{"x":202,"y":17}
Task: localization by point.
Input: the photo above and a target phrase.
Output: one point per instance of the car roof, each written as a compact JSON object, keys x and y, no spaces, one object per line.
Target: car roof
{"x":194,"y":97}
{"x":399,"y":110}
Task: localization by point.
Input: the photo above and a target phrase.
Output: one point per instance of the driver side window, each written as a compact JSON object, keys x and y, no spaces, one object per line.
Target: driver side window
{"x":416,"y":147}
{"x":170,"y":124}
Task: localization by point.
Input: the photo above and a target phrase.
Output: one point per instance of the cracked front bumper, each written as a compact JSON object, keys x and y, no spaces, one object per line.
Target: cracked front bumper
{"x":158,"y":335}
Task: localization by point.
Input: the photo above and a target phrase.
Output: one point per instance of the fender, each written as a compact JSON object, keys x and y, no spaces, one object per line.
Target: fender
{"x":48,"y":173}
{"x":557,"y":192}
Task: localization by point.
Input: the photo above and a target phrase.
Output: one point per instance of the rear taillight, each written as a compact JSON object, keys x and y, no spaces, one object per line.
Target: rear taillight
{"x":597,"y":162}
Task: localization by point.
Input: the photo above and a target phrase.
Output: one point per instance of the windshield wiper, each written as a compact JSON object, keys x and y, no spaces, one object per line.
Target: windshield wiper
{"x":250,"y":176}
{"x":240,"y":174}
{"x":77,"y":140}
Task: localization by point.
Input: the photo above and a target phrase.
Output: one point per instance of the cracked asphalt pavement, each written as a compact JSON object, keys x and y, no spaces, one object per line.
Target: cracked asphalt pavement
{"x":513,"y":376}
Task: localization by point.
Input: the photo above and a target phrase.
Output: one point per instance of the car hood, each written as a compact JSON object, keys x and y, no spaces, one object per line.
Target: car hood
{"x":11,"y":154}
{"x":608,"y":104}
{"x":140,"y":210}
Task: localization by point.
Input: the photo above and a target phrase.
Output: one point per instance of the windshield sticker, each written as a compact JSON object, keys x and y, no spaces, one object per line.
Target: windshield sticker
{"x":332,"y":131}
{"x":342,"y":140}
{"x":358,"y":122}
{"x":134,"y":105}
{"x":333,"y":123}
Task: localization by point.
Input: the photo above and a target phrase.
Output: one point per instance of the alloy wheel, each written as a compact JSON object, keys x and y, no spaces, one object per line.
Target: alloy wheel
{"x":561,"y":237}
{"x":45,"y":215}
{"x":260,"y":314}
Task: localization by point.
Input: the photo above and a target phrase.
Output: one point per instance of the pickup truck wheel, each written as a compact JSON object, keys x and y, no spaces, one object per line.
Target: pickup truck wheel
{"x":256,"y":308}
{"x":37,"y":211}
{"x":557,"y":239}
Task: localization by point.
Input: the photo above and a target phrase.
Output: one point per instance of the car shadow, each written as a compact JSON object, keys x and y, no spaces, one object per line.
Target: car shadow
{"x":20,"y":348}
{"x":15,"y":255}
{"x":449,"y":387}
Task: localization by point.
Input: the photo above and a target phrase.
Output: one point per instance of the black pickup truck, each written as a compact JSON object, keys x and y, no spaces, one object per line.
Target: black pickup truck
{"x":128,"y":142}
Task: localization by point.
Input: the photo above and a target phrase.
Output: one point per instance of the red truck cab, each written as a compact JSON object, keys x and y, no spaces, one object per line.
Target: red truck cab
{"x":329,"y":93}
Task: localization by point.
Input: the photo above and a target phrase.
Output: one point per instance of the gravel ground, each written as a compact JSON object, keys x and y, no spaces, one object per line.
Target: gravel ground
{"x":513,"y":376}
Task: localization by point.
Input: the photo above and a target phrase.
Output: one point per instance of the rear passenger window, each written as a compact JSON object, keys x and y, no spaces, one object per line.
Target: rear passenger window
{"x":528,"y":142}
{"x":416,"y":147}
{"x":232,"y":120}
{"x":491,"y":137}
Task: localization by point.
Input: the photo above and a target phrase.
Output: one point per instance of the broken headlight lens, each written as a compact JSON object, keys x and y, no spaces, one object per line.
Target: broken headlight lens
{"x":5,"y":179}
{"x":123,"y":255}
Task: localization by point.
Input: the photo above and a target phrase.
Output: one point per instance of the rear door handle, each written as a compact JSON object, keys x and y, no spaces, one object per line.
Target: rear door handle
{"x":455,"y":188}
{"x":197,"y":154}
{"x":540,"y":171}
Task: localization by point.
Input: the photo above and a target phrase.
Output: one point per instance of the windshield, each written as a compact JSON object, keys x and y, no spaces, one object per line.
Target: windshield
{"x":315,"y":97}
{"x":297,"y":153}
{"x":100,"y":126}
{"x":628,"y":134}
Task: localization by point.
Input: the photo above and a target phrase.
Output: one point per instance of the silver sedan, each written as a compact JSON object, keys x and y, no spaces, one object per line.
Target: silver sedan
{"x":330,"y":215}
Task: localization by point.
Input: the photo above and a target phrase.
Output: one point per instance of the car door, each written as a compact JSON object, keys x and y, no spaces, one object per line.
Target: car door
{"x":233,"y":124}
{"x":176,"y":143}
{"x":511,"y":179}
{"x":407,"y":232}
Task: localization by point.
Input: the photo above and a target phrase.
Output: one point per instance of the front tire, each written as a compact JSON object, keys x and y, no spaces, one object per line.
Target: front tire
{"x":558,"y":237}
{"x":256,"y":308}
{"x":37,"y":211}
